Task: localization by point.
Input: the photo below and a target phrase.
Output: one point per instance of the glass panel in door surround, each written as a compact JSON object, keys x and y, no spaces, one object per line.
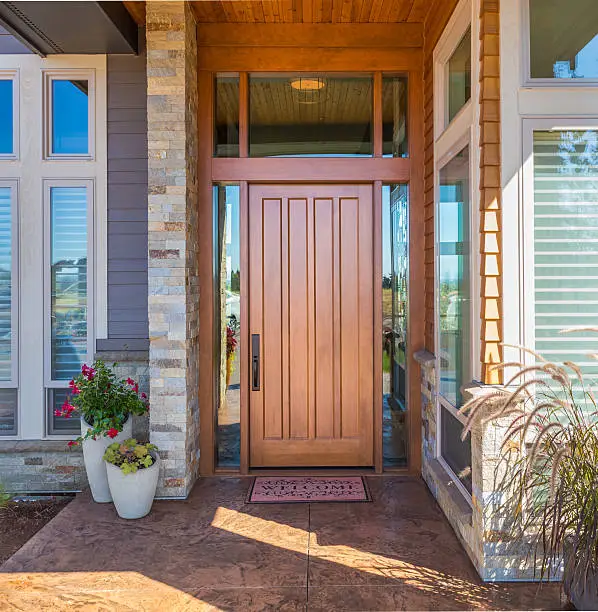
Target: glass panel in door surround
{"x":6,"y":117}
{"x":228,"y":313}
{"x":456,"y":452}
{"x":395,"y":274}
{"x":70,"y":117}
{"x":395,"y":99}
{"x":566,"y":245}
{"x":454,"y":256}
{"x":317,"y":115}
{"x":564,"y":39}
{"x":459,"y":76}
{"x":226,"y":104}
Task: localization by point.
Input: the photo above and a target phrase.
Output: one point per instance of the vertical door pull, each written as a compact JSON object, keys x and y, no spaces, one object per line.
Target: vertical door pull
{"x":255,"y":362}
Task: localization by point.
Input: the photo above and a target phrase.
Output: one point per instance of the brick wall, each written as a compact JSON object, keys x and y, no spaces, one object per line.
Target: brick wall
{"x":173,"y":237}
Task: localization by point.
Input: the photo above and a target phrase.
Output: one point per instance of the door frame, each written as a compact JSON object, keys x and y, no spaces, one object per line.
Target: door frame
{"x":216,"y":57}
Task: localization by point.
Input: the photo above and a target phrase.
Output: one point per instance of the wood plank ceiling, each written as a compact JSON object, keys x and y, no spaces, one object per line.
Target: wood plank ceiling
{"x":301,"y":11}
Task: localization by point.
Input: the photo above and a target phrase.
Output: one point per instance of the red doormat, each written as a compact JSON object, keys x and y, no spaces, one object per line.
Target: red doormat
{"x":297,"y":489}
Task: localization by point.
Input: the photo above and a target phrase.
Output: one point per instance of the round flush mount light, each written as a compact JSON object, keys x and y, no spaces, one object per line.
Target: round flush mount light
{"x":308,"y":84}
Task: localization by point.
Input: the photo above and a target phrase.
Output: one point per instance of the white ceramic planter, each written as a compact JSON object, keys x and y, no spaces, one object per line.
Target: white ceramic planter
{"x":93,"y":454}
{"x":133,"y":494}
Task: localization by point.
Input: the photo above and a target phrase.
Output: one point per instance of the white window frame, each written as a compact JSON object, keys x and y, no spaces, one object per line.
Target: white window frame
{"x":525,"y":44}
{"x":49,"y":383}
{"x":31,"y":169}
{"x":13,"y":75}
{"x":49,"y":76}
{"x":13,"y":383}
{"x":527,"y":214}
{"x":450,"y":139}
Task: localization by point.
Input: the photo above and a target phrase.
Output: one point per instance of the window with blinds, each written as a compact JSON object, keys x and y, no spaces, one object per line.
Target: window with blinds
{"x":8,"y":395}
{"x":68,"y":291}
{"x":566,"y":245}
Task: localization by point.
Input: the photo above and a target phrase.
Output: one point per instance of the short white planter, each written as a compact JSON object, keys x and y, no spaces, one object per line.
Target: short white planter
{"x":133,"y":494}
{"x":93,"y":454}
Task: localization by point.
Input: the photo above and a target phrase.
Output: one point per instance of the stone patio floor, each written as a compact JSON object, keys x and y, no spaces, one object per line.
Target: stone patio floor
{"x":214,"y":552}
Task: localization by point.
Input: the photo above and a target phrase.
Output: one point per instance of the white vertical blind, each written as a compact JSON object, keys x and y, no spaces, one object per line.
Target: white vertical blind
{"x":566,"y":245}
{"x":5,"y":284}
{"x":68,"y":280}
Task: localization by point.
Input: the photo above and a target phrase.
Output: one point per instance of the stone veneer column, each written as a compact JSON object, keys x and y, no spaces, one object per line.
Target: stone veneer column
{"x":173,"y":242}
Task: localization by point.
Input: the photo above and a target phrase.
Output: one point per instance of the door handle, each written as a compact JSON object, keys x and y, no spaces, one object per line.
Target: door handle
{"x":255,"y":362}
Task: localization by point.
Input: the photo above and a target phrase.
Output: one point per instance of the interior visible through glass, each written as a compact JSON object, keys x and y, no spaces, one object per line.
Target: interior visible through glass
{"x":459,"y":76}
{"x":70,"y":117}
{"x":564,"y":39}
{"x":395,"y":276}
{"x":395,"y":142}
{"x":228,"y":306}
{"x":6,"y":284}
{"x":226,"y":104}
{"x":6,"y":117}
{"x":310,"y":115}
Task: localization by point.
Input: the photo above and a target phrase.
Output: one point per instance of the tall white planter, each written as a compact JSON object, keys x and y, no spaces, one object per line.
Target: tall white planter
{"x":133,"y":494}
{"x":93,"y":454}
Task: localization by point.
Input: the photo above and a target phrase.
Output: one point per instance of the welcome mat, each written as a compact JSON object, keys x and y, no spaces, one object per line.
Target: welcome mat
{"x":297,"y":489}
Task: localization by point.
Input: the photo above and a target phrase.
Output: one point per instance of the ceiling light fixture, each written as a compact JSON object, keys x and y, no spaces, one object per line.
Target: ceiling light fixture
{"x":308,"y":84}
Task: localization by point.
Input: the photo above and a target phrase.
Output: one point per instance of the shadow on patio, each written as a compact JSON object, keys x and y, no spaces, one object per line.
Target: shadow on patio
{"x":214,"y":551}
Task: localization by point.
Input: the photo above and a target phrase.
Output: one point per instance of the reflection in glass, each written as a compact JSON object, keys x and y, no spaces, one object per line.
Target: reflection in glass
{"x":60,"y":425}
{"x":454,"y":296}
{"x":6,"y":117}
{"x":459,"y":76}
{"x":68,"y":280}
{"x":228,"y":311}
{"x":395,"y":275}
{"x":456,"y":452}
{"x":566,"y":244}
{"x":226,"y":103}
{"x":454,"y":277}
{"x":70,"y":117}
{"x":564,"y":39}
{"x":310,"y":116}
{"x":6,"y":284}
{"x":8,"y":412}
{"x":394,"y":117}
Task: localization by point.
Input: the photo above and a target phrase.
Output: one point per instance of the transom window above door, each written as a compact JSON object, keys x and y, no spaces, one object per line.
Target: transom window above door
{"x":310,"y":115}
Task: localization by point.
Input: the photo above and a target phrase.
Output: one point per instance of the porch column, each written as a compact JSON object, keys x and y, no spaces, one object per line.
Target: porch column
{"x":173,"y":301}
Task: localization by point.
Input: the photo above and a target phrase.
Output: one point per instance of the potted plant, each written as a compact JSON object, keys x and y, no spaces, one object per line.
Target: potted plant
{"x":133,"y":471}
{"x":105,"y":406}
{"x":550,"y":443}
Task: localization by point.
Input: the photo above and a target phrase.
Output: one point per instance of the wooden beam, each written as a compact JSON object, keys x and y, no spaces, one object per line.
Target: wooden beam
{"x":342,"y":36}
{"x":311,"y":169}
{"x":304,"y":59}
{"x":137,"y":11}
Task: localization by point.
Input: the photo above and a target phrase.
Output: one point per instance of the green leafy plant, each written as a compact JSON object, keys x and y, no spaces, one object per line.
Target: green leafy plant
{"x":4,"y":497}
{"x":550,"y":444}
{"x":103,"y":401}
{"x":130,"y":456}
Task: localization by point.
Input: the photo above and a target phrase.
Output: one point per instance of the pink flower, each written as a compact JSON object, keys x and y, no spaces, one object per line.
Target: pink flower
{"x":67,"y":409}
{"x":74,"y":388}
{"x":57,"y":413}
{"x":112,"y":433}
{"x":143,"y":396}
{"x":73,"y":443}
{"x":88,"y":372}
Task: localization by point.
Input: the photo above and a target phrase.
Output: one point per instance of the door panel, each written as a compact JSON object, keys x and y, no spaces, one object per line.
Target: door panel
{"x":311,"y":302}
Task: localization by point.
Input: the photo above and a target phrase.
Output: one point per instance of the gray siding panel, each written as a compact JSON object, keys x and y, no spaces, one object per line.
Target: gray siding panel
{"x":127,"y":202}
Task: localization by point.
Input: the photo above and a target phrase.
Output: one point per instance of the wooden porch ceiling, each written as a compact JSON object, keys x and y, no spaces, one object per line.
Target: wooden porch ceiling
{"x":301,"y":11}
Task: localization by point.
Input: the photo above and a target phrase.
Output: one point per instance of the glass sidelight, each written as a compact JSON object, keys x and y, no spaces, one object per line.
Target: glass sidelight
{"x":395,"y":275}
{"x":228,"y":324}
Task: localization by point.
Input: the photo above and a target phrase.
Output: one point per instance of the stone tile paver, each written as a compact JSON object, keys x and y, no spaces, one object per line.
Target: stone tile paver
{"x":214,"y":552}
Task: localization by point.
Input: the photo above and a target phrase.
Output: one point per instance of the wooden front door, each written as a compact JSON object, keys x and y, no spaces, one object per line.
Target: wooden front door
{"x":311,"y":321}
